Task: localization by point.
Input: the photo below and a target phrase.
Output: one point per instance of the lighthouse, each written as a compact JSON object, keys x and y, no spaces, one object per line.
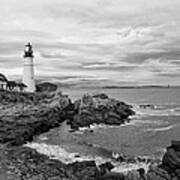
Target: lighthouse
{"x":28,"y":71}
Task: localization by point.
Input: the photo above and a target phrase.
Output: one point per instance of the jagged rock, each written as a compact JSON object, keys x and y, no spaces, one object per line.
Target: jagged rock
{"x":113,"y":176}
{"x":31,"y":165}
{"x":169,"y":169}
{"x":105,"y":168}
{"x":133,"y":175}
{"x":157,"y":173}
{"x":171,"y":159}
{"x":100,"y":109}
{"x":86,"y":170}
{"x":37,"y":113}
{"x":107,"y":165}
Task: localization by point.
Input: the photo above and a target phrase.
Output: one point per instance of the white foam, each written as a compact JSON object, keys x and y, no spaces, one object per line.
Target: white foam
{"x":156,"y":112}
{"x":163,"y":128}
{"x":98,"y":126}
{"x":43,"y":138}
{"x":133,"y":122}
{"x":126,"y":167}
{"x":58,"y":152}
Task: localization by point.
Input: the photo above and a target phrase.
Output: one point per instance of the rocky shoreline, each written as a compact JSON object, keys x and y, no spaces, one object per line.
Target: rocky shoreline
{"x":24,"y":116}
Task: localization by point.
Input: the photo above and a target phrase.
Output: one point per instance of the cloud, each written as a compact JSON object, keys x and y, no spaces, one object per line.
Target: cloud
{"x":119,"y":41}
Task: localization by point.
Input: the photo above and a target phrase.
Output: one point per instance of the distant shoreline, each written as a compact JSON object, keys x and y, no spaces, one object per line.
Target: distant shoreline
{"x":140,"y":87}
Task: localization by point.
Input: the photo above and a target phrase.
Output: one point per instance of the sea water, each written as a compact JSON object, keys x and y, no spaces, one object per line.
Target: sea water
{"x":149,"y":132}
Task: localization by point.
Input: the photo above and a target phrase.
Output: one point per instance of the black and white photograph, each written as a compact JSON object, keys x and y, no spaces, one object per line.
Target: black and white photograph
{"x":89,"y":90}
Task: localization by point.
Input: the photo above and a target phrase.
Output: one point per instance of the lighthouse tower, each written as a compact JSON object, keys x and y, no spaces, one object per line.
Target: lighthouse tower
{"x":28,"y":72}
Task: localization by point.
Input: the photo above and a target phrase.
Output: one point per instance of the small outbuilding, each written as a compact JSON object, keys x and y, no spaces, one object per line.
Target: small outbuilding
{"x":5,"y":84}
{"x":3,"y":81}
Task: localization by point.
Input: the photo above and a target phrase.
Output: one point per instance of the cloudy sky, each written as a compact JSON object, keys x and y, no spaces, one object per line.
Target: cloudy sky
{"x":119,"y":42}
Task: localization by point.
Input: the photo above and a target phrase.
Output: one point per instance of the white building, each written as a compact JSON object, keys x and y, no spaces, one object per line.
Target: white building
{"x":28,"y":72}
{"x":3,"y":82}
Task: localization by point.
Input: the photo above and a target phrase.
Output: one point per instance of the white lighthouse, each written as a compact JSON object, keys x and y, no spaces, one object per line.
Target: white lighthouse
{"x":28,"y":72}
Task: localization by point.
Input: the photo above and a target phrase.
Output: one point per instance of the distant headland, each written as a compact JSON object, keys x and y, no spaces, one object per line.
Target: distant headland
{"x":140,"y":87}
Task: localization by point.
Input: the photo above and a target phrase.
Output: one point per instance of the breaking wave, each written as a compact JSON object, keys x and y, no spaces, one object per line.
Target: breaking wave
{"x":97,"y":126}
{"x":158,"y":110}
{"x":167,"y":128}
{"x":59,"y":153}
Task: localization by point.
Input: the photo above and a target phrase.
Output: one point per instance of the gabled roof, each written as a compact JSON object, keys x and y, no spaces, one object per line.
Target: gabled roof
{"x":21,"y":85}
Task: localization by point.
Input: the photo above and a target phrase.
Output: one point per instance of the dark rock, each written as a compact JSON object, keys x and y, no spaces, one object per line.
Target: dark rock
{"x":175,"y":145}
{"x":133,"y":175}
{"x":142,"y":173}
{"x":26,"y":163}
{"x":156,"y":173}
{"x":113,"y":176}
{"x":37,"y":113}
{"x":102,"y":96}
{"x":169,"y":169}
{"x":147,"y":106}
{"x":31,"y":165}
{"x":86,"y":170}
{"x":100,"y":109}
{"x":171,"y":159}
{"x":46,"y":87}
{"x":105,"y":168}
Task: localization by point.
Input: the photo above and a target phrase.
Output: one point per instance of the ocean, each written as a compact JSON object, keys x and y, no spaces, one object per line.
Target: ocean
{"x":147,"y":135}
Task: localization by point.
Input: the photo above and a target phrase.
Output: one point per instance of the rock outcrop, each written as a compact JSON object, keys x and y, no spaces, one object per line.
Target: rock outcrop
{"x":171,"y":160}
{"x":157,"y":173}
{"x":27,"y":164}
{"x":23,"y":163}
{"x":100,"y":109}
{"x":26,"y":115}
{"x":168,"y":169}
{"x":46,"y":87}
